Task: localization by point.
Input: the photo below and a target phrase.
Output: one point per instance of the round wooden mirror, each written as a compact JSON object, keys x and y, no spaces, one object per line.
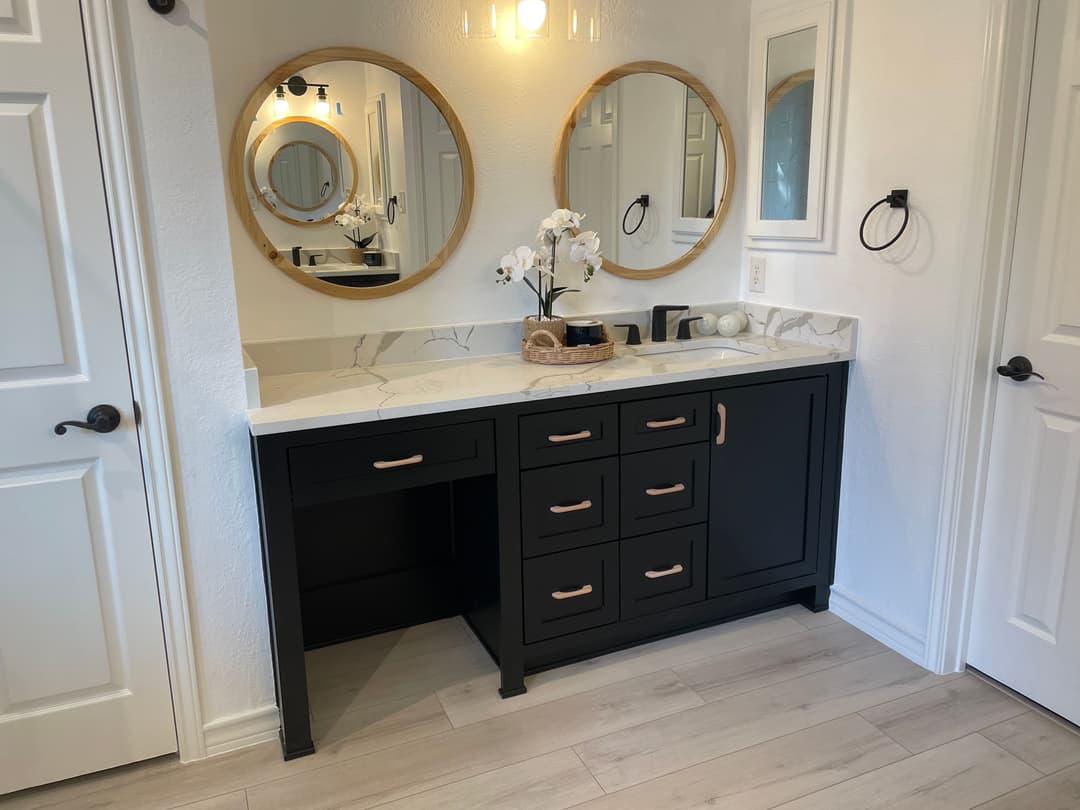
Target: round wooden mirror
{"x":647,"y":154}
{"x":351,"y":173}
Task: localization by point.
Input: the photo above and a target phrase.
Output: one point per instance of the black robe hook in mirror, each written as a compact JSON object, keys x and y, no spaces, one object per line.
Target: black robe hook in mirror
{"x":391,"y":210}
{"x":643,"y":201}
{"x":897,"y":198}
{"x":162,"y":6}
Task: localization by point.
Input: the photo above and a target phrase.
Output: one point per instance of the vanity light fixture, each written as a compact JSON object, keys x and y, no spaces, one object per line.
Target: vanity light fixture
{"x":322,"y":103}
{"x":478,"y":19}
{"x":281,"y":104}
{"x":533,"y":21}
{"x":583,"y":24}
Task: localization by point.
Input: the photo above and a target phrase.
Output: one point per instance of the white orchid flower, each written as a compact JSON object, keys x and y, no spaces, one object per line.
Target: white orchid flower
{"x":584,"y":244}
{"x":560,"y":221}
{"x":514,"y":265}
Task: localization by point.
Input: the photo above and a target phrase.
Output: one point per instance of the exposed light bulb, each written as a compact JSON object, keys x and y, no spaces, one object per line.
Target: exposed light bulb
{"x":281,"y":104}
{"x":322,"y":103}
{"x":532,"y":18}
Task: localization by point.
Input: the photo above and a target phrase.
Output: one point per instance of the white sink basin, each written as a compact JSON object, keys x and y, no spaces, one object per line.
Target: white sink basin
{"x":714,"y":348}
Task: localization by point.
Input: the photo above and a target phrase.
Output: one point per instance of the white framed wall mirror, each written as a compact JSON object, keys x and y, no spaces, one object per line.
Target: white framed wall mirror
{"x":351,"y":173}
{"x":792,"y":144}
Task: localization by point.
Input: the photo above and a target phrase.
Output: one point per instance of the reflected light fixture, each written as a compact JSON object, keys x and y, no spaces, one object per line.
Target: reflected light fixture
{"x":281,"y":104}
{"x":478,"y":19}
{"x":322,"y":103}
{"x":584,"y":21}
{"x":532,"y":19}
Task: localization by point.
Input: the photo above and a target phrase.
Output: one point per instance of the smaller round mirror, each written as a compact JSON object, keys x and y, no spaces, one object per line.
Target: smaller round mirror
{"x":302,"y":170}
{"x":646,"y":153}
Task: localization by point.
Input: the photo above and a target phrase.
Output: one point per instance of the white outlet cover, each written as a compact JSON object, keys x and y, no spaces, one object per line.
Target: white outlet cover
{"x":757,"y":274}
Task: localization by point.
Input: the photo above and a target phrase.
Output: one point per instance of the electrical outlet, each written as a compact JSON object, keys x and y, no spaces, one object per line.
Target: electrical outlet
{"x":757,"y":274}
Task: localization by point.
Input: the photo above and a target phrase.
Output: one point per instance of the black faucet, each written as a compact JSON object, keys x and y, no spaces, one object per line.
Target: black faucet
{"x":296,"y":255}
{"x":659,"y":321}
{"x":684,"y":327}
{"x":633,"y":334}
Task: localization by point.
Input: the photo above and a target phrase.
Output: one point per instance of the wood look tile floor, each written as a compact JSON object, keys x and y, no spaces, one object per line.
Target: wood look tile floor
{"x":788,"y":710}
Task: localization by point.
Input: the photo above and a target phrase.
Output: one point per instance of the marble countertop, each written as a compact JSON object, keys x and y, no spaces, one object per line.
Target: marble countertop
{"x":314,"y":399}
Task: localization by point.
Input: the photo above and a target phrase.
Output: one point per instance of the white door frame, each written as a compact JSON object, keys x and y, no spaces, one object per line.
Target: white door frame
{"x":142,"y":328}
{"x":995,"y":187}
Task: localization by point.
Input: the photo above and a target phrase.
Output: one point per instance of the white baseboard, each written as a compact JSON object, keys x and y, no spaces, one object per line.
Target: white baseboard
{"x":904,"y":640}
{"x":241,"y":730}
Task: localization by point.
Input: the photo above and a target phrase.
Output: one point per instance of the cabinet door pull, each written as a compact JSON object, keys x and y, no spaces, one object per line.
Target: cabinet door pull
{"x":401,"y":462}
{"x":675,"y":569}
{"x":665,"y":423}
{"x":584,"y":590}
{"x":558,"y":438}
{"x":653,"y":491}
{"x":721,"y":435}
{"x":576,"y":507}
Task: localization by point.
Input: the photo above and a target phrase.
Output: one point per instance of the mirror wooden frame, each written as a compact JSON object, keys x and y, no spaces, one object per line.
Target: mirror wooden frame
{"x":238,"y":163}
{"x":562,"y":154}
{"x":270,"y":129}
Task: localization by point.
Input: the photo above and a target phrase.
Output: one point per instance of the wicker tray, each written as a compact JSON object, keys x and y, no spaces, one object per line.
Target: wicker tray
{"x":543,"y":347}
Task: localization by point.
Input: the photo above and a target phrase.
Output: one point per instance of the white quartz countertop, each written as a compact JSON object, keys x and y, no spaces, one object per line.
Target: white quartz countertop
{"x":317,"y":399}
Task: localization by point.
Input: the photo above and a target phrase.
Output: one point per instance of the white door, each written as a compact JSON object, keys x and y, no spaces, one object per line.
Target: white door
{"x":83,"y":681}
{"x":442,"y":178}
{"x":591,"y":174}
{"x":699,"y":160}
{"x":1026,"y":615}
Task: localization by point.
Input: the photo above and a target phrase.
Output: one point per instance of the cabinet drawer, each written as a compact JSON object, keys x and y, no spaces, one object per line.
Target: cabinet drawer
{"x":662,"y":489}
{"x":663,"y":422}
{"x":571,"y":591}
{"x":572,"y":435}
{"x":662,"y":571}
{"x":392,"y":461}
{"x":569,"y":506}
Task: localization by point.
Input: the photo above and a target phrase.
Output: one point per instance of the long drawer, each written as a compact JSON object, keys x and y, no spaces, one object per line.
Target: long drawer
{"x":391,"y":461}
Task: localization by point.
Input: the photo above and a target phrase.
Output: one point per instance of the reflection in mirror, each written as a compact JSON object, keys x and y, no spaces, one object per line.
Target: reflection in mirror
{"x":323,"y":162}
{"x":647,"y":157}
{"x":789,"y":106}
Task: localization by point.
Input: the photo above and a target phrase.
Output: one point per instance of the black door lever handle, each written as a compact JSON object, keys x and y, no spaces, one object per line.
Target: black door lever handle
{"x":1019,"y":368}
{"x":101,"y":419}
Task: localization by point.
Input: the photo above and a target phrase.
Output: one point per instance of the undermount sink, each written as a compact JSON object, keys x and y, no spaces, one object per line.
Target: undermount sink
{"x":719,"y":348}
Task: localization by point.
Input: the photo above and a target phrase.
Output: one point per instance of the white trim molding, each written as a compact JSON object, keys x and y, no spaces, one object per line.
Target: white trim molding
{"x":994,"y":192}
{"x":130,"y":235}
{"x":907,"y":641}
{"x":242,"y":730}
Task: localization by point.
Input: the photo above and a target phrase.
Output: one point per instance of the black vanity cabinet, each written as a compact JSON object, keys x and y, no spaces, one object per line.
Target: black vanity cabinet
{"x":559,"y":528}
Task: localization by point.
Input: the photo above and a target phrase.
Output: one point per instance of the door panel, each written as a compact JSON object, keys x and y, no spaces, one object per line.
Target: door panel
{"x":765,"y":484}
{"x":1026,"y":614}
{"x":83,"y":680}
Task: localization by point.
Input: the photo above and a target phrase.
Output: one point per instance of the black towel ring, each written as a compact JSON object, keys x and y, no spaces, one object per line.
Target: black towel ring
{"x":643,"y":201}
{"x":898,"y":198}
{"x":391,"y":210}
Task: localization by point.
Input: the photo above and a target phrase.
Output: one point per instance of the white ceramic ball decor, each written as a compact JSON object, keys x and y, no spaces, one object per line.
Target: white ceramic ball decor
{"x":732,"y":323}
{"x":707,"y":324}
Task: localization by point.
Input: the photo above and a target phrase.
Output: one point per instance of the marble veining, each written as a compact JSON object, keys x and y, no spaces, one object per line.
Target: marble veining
{"x":369,"y":393}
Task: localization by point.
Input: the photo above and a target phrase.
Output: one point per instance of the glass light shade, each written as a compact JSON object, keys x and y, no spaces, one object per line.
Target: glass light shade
{"x":322,"y":103}
{"x":533,"y":20}
{"x":281,"y":104}
{"x":584,"y":20}
{"x":478,"y":19}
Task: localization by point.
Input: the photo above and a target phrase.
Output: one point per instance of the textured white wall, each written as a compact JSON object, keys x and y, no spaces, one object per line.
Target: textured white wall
{"x":512,"y":98}
{"x":185,"y":201}
{"x":912,"y":110}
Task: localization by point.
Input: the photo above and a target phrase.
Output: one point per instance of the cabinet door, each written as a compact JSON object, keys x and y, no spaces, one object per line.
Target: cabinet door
{"x":765,"y":480}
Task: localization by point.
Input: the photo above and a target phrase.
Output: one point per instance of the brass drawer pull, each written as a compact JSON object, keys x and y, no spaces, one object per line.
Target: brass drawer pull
{"x":675,"y":569}
{"x":577,"y":507}
{"x":401,"y":462}
{"x":666,"y":423}
{"x":584,"y":590}
{"x":721,"y":410}
{"x":666,"y":490}
{"x":570,"y":437}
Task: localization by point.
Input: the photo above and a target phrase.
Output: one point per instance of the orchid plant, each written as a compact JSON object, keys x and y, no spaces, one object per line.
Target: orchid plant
{"x":554,"y":241}
{"x":353,"y":216}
